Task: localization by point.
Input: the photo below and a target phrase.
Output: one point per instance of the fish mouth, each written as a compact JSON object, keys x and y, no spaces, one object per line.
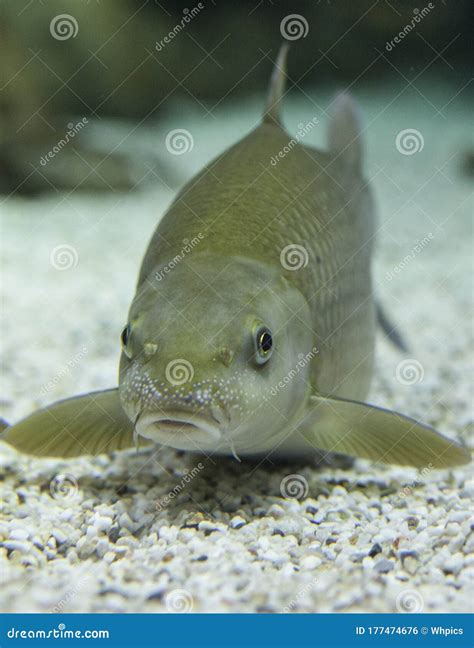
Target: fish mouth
{"x":180,"y":430}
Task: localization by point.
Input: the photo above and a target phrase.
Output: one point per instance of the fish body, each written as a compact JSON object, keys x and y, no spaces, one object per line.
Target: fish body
{"x":299,"y":217}
{"x":253,"y":325}
{"x":292,"y":229}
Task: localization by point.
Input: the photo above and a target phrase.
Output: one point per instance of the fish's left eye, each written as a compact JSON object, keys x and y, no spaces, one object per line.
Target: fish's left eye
{"x":263,"y":344}
{"x":125,"y":338}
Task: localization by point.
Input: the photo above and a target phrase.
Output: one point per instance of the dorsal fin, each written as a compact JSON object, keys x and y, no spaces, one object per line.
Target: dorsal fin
{"x":277,"y":88}
{"x":345,"y":133}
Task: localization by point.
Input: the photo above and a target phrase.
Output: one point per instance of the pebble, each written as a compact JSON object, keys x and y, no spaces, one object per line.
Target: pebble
{"x":59,"y":536}
{"x":383,"y":566}
{"x":102,"y":547}
{"x":453,"y":564}
{"x":109,"y":557}
{"x":126,"y":522}
{"x":209,"y":526}
{"x":19,"y":534}
{"x":310,"y":562}
{"x":16,"y":545}
{"x":375,"y":549}
{"x":411,"y":565}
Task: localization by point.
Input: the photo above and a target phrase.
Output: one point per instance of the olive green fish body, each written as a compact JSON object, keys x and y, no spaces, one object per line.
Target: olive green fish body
{"x":252,"y":328}
{"x":243,"y":206}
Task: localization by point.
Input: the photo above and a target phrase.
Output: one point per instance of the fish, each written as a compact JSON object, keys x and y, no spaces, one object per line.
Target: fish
{"x":252,"y":329}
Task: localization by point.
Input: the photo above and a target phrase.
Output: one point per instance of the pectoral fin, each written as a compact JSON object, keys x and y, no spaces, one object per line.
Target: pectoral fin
{"x":93,"y":423}
{"x":361,"y":430}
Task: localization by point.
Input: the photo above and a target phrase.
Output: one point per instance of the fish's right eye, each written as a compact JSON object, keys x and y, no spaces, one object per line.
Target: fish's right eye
{"x":263,"y":344}
{"x":125,"y":338}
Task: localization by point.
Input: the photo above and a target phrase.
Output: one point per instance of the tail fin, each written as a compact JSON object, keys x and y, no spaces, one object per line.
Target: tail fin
{"x":277,"y":88}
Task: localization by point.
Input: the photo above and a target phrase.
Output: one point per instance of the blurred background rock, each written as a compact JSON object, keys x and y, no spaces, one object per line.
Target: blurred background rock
{"x":108,"y":62}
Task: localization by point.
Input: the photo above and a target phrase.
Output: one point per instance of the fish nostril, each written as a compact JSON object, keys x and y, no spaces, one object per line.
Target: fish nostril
{"x":150,"y":348}
{"x":226,"y":355}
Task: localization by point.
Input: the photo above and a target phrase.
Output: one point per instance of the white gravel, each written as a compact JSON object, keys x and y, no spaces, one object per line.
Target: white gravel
{"x":132,"y":533}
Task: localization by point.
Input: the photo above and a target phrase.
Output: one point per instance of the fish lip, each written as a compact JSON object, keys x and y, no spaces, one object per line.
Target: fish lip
{"x":171,"y":426}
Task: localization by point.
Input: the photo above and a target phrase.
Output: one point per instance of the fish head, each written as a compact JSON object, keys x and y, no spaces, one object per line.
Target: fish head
{"x":212,"y":355}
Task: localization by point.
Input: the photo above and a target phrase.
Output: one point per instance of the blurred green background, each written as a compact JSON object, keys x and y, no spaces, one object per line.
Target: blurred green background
{"x":113,"y":64}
